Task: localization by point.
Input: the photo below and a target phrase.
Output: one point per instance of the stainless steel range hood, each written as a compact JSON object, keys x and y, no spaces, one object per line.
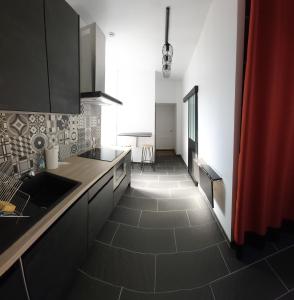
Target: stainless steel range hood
{"x":92,"y":66}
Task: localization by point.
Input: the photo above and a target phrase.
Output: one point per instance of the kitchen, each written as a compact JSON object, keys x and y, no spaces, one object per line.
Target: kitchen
{"x":117,"y":166}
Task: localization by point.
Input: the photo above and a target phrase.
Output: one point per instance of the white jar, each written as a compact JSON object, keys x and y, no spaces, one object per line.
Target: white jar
{"x":52,"y":157}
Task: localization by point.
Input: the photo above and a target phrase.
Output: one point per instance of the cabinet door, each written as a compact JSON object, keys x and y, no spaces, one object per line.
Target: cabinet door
{"x":50,"y":264}
{"x":120,"y":190}
{"x":99,"y":209}
{"x":62,"y":33}
{"x":23,"y":64}
{"x":12,"y":285}
{"x":129,"y":166}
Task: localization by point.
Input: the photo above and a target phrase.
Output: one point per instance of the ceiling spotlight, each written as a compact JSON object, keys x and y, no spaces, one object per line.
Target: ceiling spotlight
{"x":111,"y":34}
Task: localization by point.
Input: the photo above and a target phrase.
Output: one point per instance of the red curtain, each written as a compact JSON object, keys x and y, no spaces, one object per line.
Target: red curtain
{"x":265,"y":188}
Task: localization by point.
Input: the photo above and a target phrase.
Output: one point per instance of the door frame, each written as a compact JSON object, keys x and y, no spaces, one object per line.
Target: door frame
{"x":192,"y":145}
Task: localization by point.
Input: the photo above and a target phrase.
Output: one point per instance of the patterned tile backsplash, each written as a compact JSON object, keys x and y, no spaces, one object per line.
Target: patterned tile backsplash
{"x":24,"y":137}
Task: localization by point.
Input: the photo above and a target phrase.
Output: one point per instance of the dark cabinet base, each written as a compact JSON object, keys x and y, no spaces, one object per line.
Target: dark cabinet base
{"x":120,"y":190}
{"x":99,"y":209}
{"x":51,"y":262}
{"x":12,"y":285}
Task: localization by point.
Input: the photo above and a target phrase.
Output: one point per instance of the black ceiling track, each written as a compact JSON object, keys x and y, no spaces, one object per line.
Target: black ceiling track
{"x":167,"y":24}
{"x":194,"y":91}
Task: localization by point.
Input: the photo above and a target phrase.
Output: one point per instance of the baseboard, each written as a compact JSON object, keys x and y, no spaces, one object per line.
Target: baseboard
{"x":181,"y":157}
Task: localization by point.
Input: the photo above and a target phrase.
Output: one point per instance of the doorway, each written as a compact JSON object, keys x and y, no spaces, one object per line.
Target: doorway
{"x":165,"y":126}
{"x":192,"y":99}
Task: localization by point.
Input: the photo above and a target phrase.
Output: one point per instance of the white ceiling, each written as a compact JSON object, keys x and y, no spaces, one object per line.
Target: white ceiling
{"x":139,"y":29}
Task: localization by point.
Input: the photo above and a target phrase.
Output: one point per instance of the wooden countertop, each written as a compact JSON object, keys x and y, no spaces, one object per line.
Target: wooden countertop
{"x":87,"y":171}
{"x":136,"y":134}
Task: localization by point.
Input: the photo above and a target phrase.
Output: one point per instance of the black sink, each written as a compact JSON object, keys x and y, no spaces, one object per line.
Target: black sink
{"x":47,"y":189}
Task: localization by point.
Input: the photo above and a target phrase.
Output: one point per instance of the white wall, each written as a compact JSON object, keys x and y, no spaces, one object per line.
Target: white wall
{"x":170,"y":91}
{"x":136,"y":89}
{"x":215,"y":68}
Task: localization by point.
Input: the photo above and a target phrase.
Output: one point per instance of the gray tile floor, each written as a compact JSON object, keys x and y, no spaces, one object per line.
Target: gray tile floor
{"x":163,"y":242}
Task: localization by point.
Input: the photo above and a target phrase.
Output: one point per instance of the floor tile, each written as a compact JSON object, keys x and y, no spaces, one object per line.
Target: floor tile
{"x":283,"y":263}
{"x":139,"y":184}
{"x":122,"y":268}
{"x":164,"y":219}
{"x":136,"y":172}
{"x":165,"y":167}
{"x":151,"y":193}
{"x":107,"y":232}
{"x":147,"y":166}
{"x":185,"y":192}
{"x":158,"y":172}
{"x":188,"y":270}
{"x":129,"y":191}
{"x":177,"y":172}
{"x":286,"y":239}
{"x":177,"y":204}
{"x":196,"y":294}
{"x":179,"y":166}
{"x":200,"y":216}
{"x":163,"y":185}
{"x":250,"y":254}
{"x":288,"y":296}
{"x":139,"y":203}
{"x":256,"y":282}
{"x":90,"y":289}
{"x":145,"y":240}
{"x":125,"y":216}
{"x":174,"y":178}
{"x":148,"y":177}
{"x":198,"y":237}
{"x":186,"y":184}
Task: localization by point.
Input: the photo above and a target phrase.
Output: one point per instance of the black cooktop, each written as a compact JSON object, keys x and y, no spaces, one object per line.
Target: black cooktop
{"x":105,"y":154}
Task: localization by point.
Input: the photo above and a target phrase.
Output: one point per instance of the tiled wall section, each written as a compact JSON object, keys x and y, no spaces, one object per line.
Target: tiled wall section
{"x":23,"y":137}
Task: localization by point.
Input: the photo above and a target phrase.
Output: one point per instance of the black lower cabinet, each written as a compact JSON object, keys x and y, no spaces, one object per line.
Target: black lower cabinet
{"x":12,"y":284}
{"x":99,"y":209}
{"x":120,"y":190}
{"x":128,"y":160}
{"x":50,"y":264}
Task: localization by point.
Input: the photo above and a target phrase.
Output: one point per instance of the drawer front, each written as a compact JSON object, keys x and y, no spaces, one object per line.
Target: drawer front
{"x":100,"y":183}
{"x":120,"y":190}
{"x":99,"y":209}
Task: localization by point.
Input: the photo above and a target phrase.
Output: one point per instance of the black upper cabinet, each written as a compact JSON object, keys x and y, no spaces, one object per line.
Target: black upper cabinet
{"x":23,"y":65}
{"x":39,"y":56}
{"x":62,"y":35}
